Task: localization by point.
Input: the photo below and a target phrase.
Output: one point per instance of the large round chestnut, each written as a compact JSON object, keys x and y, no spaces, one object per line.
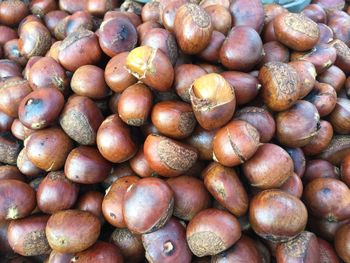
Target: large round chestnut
{"x":321,"y":140}
{"x":168,"y":157}
{"x":56,"y":193}
{"x":328,"y":198}
{"x":297,"y":126}
{"x":167,"y":244}
{"x":277,"y":216}
{"x":307,"y":76}
{"x":12,"y":12}
{"x":17,"y":199}
{"x":242,"y":49}
{"x":339,"y":117}
{"x":212,"y":231}
{"x":80,"y":119}
{"x":190,"y":196}
{"x":296,"y":31}
{"x":40,"y":108}
{"x":224,"y":185}
{"x":341,"y":242}
{"x":213,"y":101}
{"x":100,"y":250}
{"x":148,"y":205}
{"x":235,"y":143}
{"x":193,"y":28}
{"x":114,"y":140}
{"x":270,"y":167}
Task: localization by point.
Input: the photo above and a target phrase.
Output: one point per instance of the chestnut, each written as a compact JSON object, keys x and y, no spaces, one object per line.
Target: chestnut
{"x":339,"y":117}
{"x":42,"y":7}
{"x":133,"y":17}
{"x":318,"y":168}
{"x":11,"y":51}
{"x":27,"y":236}
{"x":190,"y":196}
{"x":26,"y":166}
{"x":144,"y":28}
{"x":79,"y":48}
{"x":5,"y":122}
{"x":296,"y":31}
{"x":345,"y":171}
{"x":341,"y":242}
{"x":307,"y":76}
{"x":330,"y":4}
{"x":7,"y":34}
{"x":140,"y":165}
{"x":298,"y":125}
{"x":333,"y":76}
{"x":280,"y":85}
{"x":9,"y":148}
{"x":343,"y":55}
{"x":114,"y":140}
{"x":99,"y":8}
{"x":5,"y":248}
{"x":281,"y":224}
{"x":151,"y":12}
{"x":71,"y":7}
{"x":117,"y":172}
{"x":274,"y":51}
{"x":270,"y":167}
{"x":193,"y":28}
{"x":220,"y":18}
{"x":100,"y":250}
{"x":112,"y":204}
{"x":336,"y":150}
{"x":40,"y":108}
{"x":327,"y":252}
{"x":202,"y":140}
{"x":48,"y":149}
{"x":135,"y":104}
{"x":168,"y":157}
{"x":293,"y":186}
{"x":80,"y":119}
{"x":53,"y":18}
{"x":316,"y":13}
{"x":321,"y":139}
{"x":324,"y":228}
{"x":12,"y":12}
{"x":298,"y":159}
{"x":326,"y":34}
{"x":268,"y":33}
{"x":11,"y":172}
{"x":129,"y":244}
{"x":9,"y":68}
{"x":62,"y":235}
{"x":142,"y":215}
{"x":212,"y":231}
{"x":305,"y":244}
{"x":168,"y":11}
{"x":244,"y":54}
{"x":212,"y":52}
{"x":167,"y":244}
{"x":323,"y":97}
{"x":91,"y":201}
{"x":213,"y":101}
{"x":152,"y":67}
{"x":339,"y":22}
{"x":328,"y":198}
{"x":206,"y":3}
{"x":224,"y":185}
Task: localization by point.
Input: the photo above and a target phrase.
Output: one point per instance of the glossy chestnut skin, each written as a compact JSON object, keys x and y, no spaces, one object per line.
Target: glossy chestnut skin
{"x":100,"y":250}
{"x":129,"y":244}
{"x":336,"y":150}
{"x":135,"y":104}
{"x":328,"y":198}
{"x":212,"y":52}
{"x":142,"y":216}
{"x":269,"y":167}
{"x":343,"y":55}
{"x":79,"y":48}
{"x":324,"y":98}
{"x":80,"y":119}
{"x":327,"y":252}
{"x":220,"y":18}
{"x":318,"y":168}
{"x":5,"y":122}
{"x":11,"y":51}
{"x":212,"y":231}
{"x":168,"y":157}
{"x":190,"y":196}
{"x":174,"y":119}
{"x":151,"y":12}
{"x":62,"y":235}
{"x":117,"y":172}
{"x":41,"y":7}
{"x":324,"y":228}
{"x":297,"y":126}
{"x":281,"y":224}
{"x":339,"y":116}
{"x":345,"y":170}
{"x":112,"y":203}
{"x":245,"y":250}
{"x":202,"y":140}
{"x":296,"y":31}
{"x":140,"y":165}
{"x":71,"y":7}
{"x":9,"y":68}
{"x":333,"y":76}
{"x":244,"y":54}
{"x":316,"y":13}
{"x":26,"y":166}
{"x":274,"y":51}
{"x":40,"y":108}
{"x":48,"y":149}
{"x":99,"y":8}
{"x":280,"y":85}
{"x":341,"y":242}
{"x":11,"y":172}
{"x":53,"y":18}
{"x":5,"y":248}
{"x":7,"y":33}
{"x":213,"y":101}
{"x":298,"y":158}
{"x":193,"y":28}
{"x":168,"y":11}
{"x":307,"y":76}
{"x":91,"y":201}
{"x":326,"y":34}
{"x":307,"y":246}
{"x":167,"y":244}
{"x":12,"y":91}
{"x":144,"y":28}
{"x":293,"y":186}
{"x":152,"y":67}
{"x":321,"y":140}
{"x":114,"y":140}
{"x":12,"y":12}
{"x":330,"y":5}
{"x":339,"y":22}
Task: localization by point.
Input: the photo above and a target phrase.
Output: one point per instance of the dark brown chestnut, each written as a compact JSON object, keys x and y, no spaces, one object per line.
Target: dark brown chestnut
{"x":53,"y":18}
{"x":12,"y":12}
{"x":168,"y":11}
{"x":42,"y":7}
{"x":327,"y":252}
{"x":293,"y":186}
{"x":9,"y":148}
{"x":318,"y":168}
{"x":341,"y":242}
{"x":333,"y":76}
{"x":316,"y":13}
{"x":100,"y":250}
{"x":321,"y":140}
{"x":140,"y":165}
{"x":91,"y":201}
{"x":11,"y":51}
{"x":339,"y":22}
{"x":339,"y":116}
{"x":298,"y":158}
{"x":343,"y":55}
{"x":220,"y":18}
{"x":202,"y":140}
{"x":323,"y":97}
{"x":345,"y":170}
{"x":326,"y":34}
{"x":307,"y":76}
{"x":151,"y":12}
{"x":274,"y":51}
{"x":212,"y":52}
{"x":11,"y":172}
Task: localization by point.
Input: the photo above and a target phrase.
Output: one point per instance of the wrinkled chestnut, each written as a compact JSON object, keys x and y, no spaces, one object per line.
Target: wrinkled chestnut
{"x":321,"y":140}
{"x":307,"y":76}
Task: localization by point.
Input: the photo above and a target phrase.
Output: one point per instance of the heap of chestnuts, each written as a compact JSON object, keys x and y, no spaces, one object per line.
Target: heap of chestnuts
{"x":174,"y":131}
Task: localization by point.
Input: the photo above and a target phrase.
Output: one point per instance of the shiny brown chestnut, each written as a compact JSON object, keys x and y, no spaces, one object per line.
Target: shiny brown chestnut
{"x":280,"y":85}
{"x":235,"y":143}
{"x":270,"y":167}
{"x":91,"y":201}
{"x":5,"y":248}
{"x":140,"y":165}
{"x":48,"y":148}
{"x":11,"y":51}
{"x":144,"y":28}
{"x":339,"y":22}
{"x":142,"y":216}
{"x":307,"y":76}
{"x":326,"y":34}
{"x":298,"y":159}
{"x":42,"y":7}
{"x":135,"y":104}
{"x":244,"y":54}
{"x":29,"y":65}
{"x":333,"y":76}
{"x":27,"y":236}
{"x":268,"y":33}
{"x":321,"y":140}
{"x":202,"y":140}
{"x":296,"y":31}
{"x":152,"y":67}
{"x":71,"y":7}
{"x":193,"y":28}
{"x":327,"y":198}
{"x":133,"y":17}
{"x":293,"y":185}
{"x":9,"y":68}
{"x":330,"y":4}
{"x":274,"y":51}
{"x":168,"y":11}
{"x":212,"y":52}
{"x":7,"y":34}
{"x":212,"y":231}
{"x":345,"y":170}
{"x":343,"y":55}
{"x":11,"y":172}
{"x":12,"y":12}
{"x":53,"y":18}
{"x":341,"y":242}
{"x":324,"y":228}
{"x":282,"y":224}
{"x":213,"y":101}
{"x":316,"y":13}
{"x":339,"y":116}
{"x":220,"y":18}
{"x":151,"y":12}
{"x":62,"y":235}
{"x":327,"y":252}
{"x":318,"y":168}
{"x":109,"y":252}
{"x":114,"y":140}
{"x":26,"y":166}
{"x":167,"y":244}
{"x":99,"y":8}
{"x":80,"y":119}
{"x":323,"y":97}
{"x":190,"y":196}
